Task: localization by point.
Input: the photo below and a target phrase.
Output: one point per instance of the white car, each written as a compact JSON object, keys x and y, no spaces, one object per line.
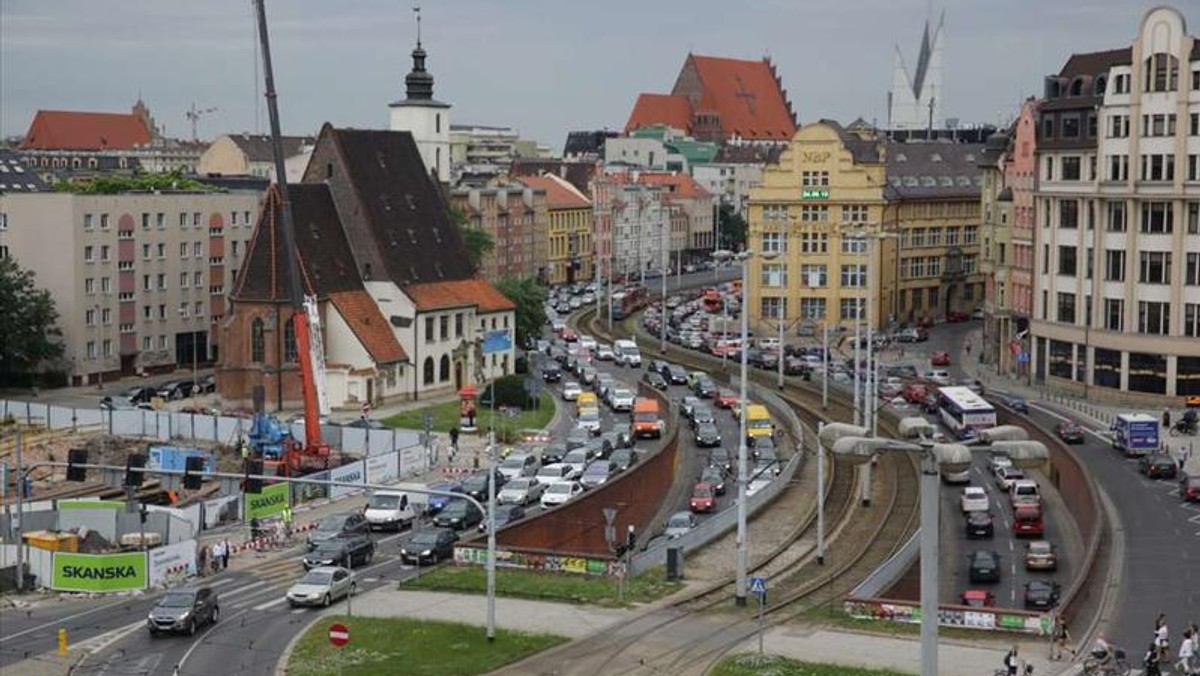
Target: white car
{"x":605,"y":352}
{"x":321,"y":586}
{"x":974,"y":499}
{"x":589,"y":419}
{"x":999,"y":462}
{"x":1007,"y":476}
{"x":571,"y":391}
{"x":587,"y":342}
{"x":939,"y":377}
{"x":519,"y":466}
{"x":521,"y":492}
{"x":554,"y":473}
{"x":1023,"y":490}
{"x":560,"y":492}
{"x":621,"y":399}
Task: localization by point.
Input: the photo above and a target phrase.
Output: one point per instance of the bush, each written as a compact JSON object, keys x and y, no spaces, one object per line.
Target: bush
{"x":521,"y":365}
{"x":510,"y":391}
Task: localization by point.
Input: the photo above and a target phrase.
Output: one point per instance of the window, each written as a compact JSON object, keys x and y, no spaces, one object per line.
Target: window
{"x":1157,"y":218}
{"x":1070,"y":126}
{"x":89,"y":286}
{"x":163,"y":342}
{"x":444,"y":327}
{"x":104,"y":253}
{"x":160,"y":220}
{"x":146,"y":286}
{"x":183,"y":220}
{"x":104,"y":221}
{"x":147,"y":313}
{"x":1066,"y":307}
{"x":162,"y":282}
{"x":1158,"y":167}
{"x":952,"y":236}
{"x":258,"y":342}
{"x":854,"y":213}
{"x":87,"y":222}
{"x":1068,"y":214}
{"x":814,"y":242}
{"x":1193,"y":218}
{"x":810,"y":179}
{"x":197,"y":279}
{"x":197,"y":250}
{"x":429,"y":329}
{"x":183,"y":309}
{"x":1118,"y":167}
{"x":1191,"y":320}
{"x":147,"y":343}
{"x":198,"y":309}
{"x":1116,"y":217}
{"x":88,"y":254}
{"x":235,"y":247}
{"x":91,"y":349}
{"x":1154,"y":318}
{"x":812,"y":308}
{"x":935,"y":237}
{"x":458,"y":325}
{"x":289,"y":339}
{"x":1114,"y":314}
{"x":1161,"y":73}
{"x":89,"y":317}
{"x":427,"y":371}
{"x":1155,"y":267}
{"x":1114,"y":265}
{"x":145,"y":221}
{"x":183,"y":280}
{"x":773,"y":307}
{"x":851,"y":309}
{"x":161,"y":251}
{"x":183,"y":249}
{"x":106,"y":316}
{"x":774,"y":275}
{"x":162,"y":312}
{"x":970,"y":234}
{"x":1118,"y":126}
{"x":1191,"y":275}
{"x":1194,"y":120}
{"x":1067,"y":265}
{"x":1193,"y":167}
{"x":814,"y":213}
{"x":444,"y":368}
{"x":106,"y":285}
{"x":1121,"y":84}
{"x":815,"y":276}
{"x":854,"y":276}
{"x":107,"y":349}
{"x":1049,"y":168}
{"x":774,"y":242}
{"x":854,"y":245}
{"x":1048,"y":128}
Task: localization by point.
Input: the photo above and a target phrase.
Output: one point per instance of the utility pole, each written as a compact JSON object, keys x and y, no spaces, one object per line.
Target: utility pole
{"x":20,"y":513}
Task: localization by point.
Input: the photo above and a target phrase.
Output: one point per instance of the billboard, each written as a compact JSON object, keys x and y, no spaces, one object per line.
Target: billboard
{"x":98,"y":572}
{"x":271,"y":502}
{"x":351,"y":473}
{"x":499,"y":340}
{"x":175,"y":458}
{"x":172,"y":563}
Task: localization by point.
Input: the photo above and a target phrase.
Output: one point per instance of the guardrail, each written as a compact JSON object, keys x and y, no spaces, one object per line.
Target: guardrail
{"x":886,"y":575}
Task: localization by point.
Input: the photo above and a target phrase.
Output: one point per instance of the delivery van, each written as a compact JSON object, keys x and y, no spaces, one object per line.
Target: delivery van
{"x":389,"y":510}
{"x":647,"y":418}
{"x":758,"y":423}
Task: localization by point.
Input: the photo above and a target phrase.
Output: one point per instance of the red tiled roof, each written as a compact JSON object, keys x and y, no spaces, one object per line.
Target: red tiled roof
{"x":747,"y":96}
{"x":71,"y":130}
{"x":651,"y":109}
{"x":474,"y":292}
{"x":682,"y":185}
{"x":559,"y":193}
{"x":368,"y":324}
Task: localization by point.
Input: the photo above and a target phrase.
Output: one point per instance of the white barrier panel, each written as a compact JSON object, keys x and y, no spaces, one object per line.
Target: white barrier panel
{"x":382,"y":469}
{"x":62,"y":418}
{"x":380,"y":441}
{"x":351,"y":473}
{"x":191,"y":515}
{"x":172,"y":563}
{"x":220,"y":510}
{"x":229,"y":429}
{"x":412,"y":460}
{"x":89,"y":417}
{"x":41,"y":565}
{"x":354,"y":440}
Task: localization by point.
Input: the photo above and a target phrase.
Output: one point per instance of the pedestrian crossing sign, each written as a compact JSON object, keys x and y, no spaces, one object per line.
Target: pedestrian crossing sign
{"x":758,"y":585}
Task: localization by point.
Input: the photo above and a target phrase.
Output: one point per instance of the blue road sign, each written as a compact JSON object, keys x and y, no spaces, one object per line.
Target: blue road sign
{"x":758,"y":585}
{"x":1023,"y":358}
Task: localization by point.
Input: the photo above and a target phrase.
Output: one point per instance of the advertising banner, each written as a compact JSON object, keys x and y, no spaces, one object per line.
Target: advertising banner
{"x":98,"y":572}
{"x":84,"y":503}
{"x":582,"y":565}
{"x":382,"y":469}
{"x":271,"y":502}
{"x":412,"y":460}
{"x":175,"y":458}
{"x":306,"y":492}
{"x":949,"y":616}
{"x":172,"y":563}
{"x":353,"y":473}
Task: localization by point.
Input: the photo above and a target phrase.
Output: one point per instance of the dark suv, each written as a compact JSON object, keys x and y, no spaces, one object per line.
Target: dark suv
{"x":346,"y":551}
{"x":338,"y":525}
{"x":183,"y":611}
{"x":458,"y":515}
{"x":429,"y":546}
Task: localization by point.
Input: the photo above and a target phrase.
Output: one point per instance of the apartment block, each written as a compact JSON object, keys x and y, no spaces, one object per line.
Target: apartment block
{"x":516,"y":217}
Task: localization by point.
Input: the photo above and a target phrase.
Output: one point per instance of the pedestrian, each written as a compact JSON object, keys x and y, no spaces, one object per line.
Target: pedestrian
{"x":1012,"y":663}
{"x":202,"y":560}
{"x":1151,"y":661}
{"x":1166,"y":419}
{"x":287,"y":521}
{"x":1187,"y":653}
{"x":225,"y":550}
{"x":1161,"y":636}
{"x":1062,"y":640}
{"x":453,"y":441}
{"x":216,"y":556}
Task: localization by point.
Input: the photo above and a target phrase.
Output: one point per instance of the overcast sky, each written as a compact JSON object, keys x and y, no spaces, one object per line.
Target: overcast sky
{"x":543,"y":66}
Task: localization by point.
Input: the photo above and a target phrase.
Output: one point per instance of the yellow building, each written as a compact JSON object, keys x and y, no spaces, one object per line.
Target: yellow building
{"x":850,"y":214}
{"x":812,"y":210}
{"x":570,"y":249}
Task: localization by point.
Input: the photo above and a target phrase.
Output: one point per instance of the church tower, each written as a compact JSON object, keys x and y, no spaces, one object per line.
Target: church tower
{"x":426,"y":118}
{"x":914,"y":95}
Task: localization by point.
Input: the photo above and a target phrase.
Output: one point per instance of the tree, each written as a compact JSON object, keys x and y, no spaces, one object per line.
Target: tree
{"x":732,"y":228}
{"x":530,"y":299}
{"x":478,"y":241}
{"x":29,"y":333}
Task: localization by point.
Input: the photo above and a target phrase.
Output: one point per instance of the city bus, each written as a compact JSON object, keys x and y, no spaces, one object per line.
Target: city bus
{"x":964,"y":411}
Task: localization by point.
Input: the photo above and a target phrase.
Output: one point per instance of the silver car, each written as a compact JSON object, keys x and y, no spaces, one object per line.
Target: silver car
{"x":521,"y":491}
{"x":322,"y":586}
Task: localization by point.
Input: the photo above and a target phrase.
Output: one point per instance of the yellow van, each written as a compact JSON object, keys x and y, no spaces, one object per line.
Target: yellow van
{"x":758,"y":422}
{"x":587,"y":400}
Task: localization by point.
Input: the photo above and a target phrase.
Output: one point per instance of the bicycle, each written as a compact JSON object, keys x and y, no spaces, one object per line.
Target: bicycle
{"x":1093,"y":666}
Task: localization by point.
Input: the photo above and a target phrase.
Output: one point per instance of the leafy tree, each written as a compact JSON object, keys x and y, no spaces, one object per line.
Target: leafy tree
{"x":478,"y":241}
{"x":113,"y":184}
{"x":732,"y":228}
{"x":530,"y":299}
{"x":29,"y":333}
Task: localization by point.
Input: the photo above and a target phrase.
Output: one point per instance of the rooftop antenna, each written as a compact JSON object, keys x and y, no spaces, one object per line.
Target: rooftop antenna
{"x":417,"y":11}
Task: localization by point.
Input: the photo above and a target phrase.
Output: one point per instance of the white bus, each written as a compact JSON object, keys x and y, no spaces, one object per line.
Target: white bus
{"x":964,"y":411}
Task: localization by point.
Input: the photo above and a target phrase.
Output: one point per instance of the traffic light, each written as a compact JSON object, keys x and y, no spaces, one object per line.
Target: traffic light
{"x":252,"y":466}
{"x":135,"y":466}
{"x":76,"y":456}
{"x":192,"y":468}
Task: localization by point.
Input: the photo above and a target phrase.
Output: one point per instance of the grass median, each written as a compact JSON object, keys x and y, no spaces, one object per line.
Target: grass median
{"x":386,"y":646}
{"x":543,"y":586}
{"x":446,"y":416}
{"x":752,"y":665}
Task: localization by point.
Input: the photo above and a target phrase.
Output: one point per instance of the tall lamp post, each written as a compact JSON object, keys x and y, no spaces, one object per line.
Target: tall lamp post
{"x":744,"y":257}
{"x":852,"y":448}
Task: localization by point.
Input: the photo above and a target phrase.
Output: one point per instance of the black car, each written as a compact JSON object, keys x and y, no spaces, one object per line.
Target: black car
{"x":429,"y":546}
{"x":347,"y":552}
{"x":553,"y":453}
{"x":660,"y":367}
{"x":761,"y":445}
{"x":458,"y":515}
{"x":705,"y":388}
{"x":624,"y":458}
{"x":1042,"y":594}
{"x":719,"y":457}
{"x":476,"y":485}
{"x":715,"y":477}
{"x":655,"y":380}
{"x":552,"y":373}
{"x":505,"y":514}
{"x":1070,"y":433}
{"x":183,"y":611}
{"x":985,"y":567}
{"x":979,"y":525}
{"x":207,"y":384}
{"x":338,"y":525}
{"x":702,"y":414}
{"x":175,"y":389}
{"x":1157,"y":466}
{"x":140,"y":395}
{"x":707,"y":435}
{"x":613,"y":439}
{"x":676,"y":375}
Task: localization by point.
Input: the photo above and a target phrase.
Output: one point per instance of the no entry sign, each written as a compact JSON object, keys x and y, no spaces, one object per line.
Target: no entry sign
{"x":339,"y":635}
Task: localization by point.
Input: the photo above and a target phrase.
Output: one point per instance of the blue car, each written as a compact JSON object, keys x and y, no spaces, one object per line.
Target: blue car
{"x":438,"y":502}
{"x":1017,"y":404}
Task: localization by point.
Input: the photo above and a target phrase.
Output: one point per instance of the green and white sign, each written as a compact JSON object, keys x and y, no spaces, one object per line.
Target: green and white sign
{"x":271,"y":502}
{"x":83,"y":503}
{"x":99,"y":572}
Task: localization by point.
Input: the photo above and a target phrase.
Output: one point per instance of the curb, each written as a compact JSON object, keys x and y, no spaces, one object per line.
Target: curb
{"x":286,"y":654}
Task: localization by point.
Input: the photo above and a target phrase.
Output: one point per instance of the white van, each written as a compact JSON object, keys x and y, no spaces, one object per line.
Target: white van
{"x":389,"y":510}
{"x":627,"y":353}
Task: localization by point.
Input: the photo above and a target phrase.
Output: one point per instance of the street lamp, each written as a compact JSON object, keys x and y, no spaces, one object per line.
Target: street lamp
{"x":744,"y":257}
{"x":855,"y":449}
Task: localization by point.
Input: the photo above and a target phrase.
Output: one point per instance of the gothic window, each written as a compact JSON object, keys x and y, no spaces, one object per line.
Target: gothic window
{"x":444,"y":369}
{"x":258,"y":343}
{"x":428,"y":368}
{"x":289,"y":340}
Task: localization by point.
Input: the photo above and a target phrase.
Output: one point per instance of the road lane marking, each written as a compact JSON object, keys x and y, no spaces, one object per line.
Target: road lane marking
{"x":61,"y":620}
{"x":269,"y":604}
{"x":239,"y":590}
{"x":96,"y":644}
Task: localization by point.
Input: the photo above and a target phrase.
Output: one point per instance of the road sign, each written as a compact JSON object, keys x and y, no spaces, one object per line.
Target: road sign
{"x":1023,"y":358}
{"x":427,"y":422}
{"x":339,"y":635}
{"x":758,"y":585}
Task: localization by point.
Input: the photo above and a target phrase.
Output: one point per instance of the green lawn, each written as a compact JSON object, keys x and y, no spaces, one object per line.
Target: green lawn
{"x":750,"y":665}
{"x":445,"y":416}
{"x":562,"y":587}
{"x":387,"y":646}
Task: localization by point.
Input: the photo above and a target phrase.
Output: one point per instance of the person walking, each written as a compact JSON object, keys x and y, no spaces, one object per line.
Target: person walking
{"x":1062,"y":640}
{"x":453,"y":443}
{"x":287,"y":521}
{"x":202,"y":560}
{"x":1152,"y":661}
{"x":1166,"y":420}
{"x":1161,"y":636}
{"x":1012,"y":662}
{"x":1187,"y":654}
{"x":225,"y":550}
{"x":216,"y":556}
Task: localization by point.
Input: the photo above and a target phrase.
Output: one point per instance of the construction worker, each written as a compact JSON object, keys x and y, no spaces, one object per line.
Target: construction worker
{"x":245,"y":447}
{"x":287,"y":520}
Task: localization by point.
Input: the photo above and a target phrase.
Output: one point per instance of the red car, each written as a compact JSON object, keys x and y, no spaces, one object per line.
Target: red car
{"x":704,"y":498}
{"x":1189,"y":488}
{"x":957,"y":316}
{"x":915,"y":393}
{"x":940,"y":359}
{"x":726,"y":399}
{"x":978,"y":598}
{"x":568,"y":334}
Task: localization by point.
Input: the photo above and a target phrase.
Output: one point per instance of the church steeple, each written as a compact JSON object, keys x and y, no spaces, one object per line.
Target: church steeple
{"x":418,"y":84}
